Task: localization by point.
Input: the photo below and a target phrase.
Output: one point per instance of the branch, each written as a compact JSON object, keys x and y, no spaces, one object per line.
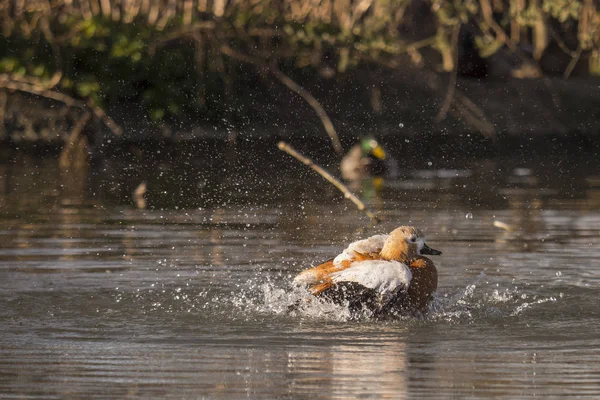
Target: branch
{"x":108,"y":121}
{"x":463,"y":107}
{"x":3,"y":102}
{"x":314,"y":103}
{"x":40,"y":91}
{"x":189,"y":31}
{"x":287,"y":81}
{"x":45,"y":27}
{"x":67,"y":152}
{"x":474,"y":115}
{"x":561,"y":44}
{"x":65,"y":99}
{"x":574,"y":60}
{"x":347,"y":193}
{"x":399,"y":49}
{"x":452,"y":83}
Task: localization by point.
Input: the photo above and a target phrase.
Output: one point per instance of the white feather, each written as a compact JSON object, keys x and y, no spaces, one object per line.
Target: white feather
{"x":369,"y":245}
{"x":372,"y":244}
{"x":306,"y":278}
{"x":383,"y":276}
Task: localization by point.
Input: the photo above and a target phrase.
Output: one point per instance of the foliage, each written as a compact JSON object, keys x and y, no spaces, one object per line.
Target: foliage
{"x":167,"y":55}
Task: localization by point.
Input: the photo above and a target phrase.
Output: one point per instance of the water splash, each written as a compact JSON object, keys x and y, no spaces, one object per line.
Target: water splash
{"x":475,"y":302}
{"x":525,"y":306}
{"x":272,"y":295}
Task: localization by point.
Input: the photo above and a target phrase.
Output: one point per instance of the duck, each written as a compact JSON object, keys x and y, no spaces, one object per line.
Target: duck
{"x":365,"y":159}
{"x":387,"y":275}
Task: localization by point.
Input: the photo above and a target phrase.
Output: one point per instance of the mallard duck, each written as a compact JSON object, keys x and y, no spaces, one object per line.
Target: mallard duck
{"x":364,"y":159}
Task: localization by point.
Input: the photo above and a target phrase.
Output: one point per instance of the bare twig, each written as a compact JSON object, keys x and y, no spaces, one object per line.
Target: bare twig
{"x":287,"y":81}
{"x":574,"y":60}
{"x":452,"y":83}
{"x":66,"y":155}
{"x":347,"y":193}
{"x":561,"y":44}
{"x":63,"y":98}
{"x":100,"y":114}
{"x":314,"y":103}
{"x":474,"y":115}
{"x":190,"y":31}
{"x":40,"y":91}
{"x":45,"y":27}
{"x":502,"y":225}
{"x":3,"y":101}
{"x":510,"y":43}
{"x":463,"y":107}
{"x":516,"y":50}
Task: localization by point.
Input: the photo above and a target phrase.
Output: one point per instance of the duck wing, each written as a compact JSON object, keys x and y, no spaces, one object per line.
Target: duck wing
{"x":369,"y":247}
{"x":319,"y":276}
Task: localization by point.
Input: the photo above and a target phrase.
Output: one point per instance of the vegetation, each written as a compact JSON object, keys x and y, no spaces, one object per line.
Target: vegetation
{"x":180,"y":59}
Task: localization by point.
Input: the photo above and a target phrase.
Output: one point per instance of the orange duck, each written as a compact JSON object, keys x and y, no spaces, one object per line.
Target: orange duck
{"x":385,"y":274}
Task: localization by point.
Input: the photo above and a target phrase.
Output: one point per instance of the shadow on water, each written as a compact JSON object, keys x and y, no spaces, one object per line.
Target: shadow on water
{"x":188,"y":297}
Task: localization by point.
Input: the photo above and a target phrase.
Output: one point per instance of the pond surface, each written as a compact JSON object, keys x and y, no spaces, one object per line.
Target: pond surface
{"x":188,"y":298}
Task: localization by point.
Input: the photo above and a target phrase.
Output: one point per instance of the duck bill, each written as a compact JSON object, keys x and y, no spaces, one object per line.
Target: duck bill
{"x":428,"y":250}
{"x":378,"y":153}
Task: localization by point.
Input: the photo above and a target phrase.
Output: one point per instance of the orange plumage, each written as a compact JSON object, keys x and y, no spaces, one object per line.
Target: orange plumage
{"x":390,"y":269}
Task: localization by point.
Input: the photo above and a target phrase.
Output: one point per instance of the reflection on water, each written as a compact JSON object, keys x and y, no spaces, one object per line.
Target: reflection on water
{"x":188,"y":298}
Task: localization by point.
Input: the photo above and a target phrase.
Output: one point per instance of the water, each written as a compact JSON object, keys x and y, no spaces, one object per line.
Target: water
{"x":188,"y":298}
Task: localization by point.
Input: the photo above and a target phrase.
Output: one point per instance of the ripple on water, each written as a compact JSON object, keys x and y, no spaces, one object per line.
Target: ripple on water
{"x":113,"y":302}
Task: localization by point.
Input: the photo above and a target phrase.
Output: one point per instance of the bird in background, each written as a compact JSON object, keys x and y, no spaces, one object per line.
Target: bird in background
{"x":367,"y":159}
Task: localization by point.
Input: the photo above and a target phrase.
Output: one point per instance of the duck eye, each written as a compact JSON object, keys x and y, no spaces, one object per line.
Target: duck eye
{"x":413,"y":239}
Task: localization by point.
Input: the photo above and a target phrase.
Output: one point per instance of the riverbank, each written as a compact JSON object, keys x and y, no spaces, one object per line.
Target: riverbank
{"x":407,"y":107}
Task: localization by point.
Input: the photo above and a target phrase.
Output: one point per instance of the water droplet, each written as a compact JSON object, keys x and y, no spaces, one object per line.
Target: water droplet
{"x":429,"y":163}
{"x":401,"y":125}
{"x":469,"y":216}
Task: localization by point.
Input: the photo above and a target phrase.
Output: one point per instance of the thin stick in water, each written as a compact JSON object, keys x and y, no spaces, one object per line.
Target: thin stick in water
{"x":347,"y":193}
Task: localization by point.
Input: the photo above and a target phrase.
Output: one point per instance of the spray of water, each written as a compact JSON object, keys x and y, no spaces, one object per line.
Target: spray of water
{"x":273,"y":295}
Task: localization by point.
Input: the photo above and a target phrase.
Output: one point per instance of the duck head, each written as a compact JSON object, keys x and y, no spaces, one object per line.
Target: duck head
{"x":372,"y":148}
{"x":405,"y":243}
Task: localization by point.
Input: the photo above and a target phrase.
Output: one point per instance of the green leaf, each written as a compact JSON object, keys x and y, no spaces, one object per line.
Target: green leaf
{"x":157,"y":114}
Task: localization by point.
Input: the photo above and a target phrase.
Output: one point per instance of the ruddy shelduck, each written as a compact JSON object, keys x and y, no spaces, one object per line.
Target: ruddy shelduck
{"x":386,"y":274}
